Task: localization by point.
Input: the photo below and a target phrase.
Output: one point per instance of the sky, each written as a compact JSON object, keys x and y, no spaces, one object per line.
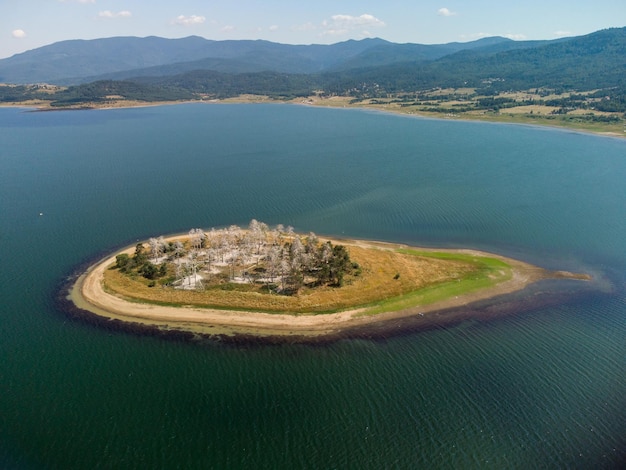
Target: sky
{"x":28,"y":24}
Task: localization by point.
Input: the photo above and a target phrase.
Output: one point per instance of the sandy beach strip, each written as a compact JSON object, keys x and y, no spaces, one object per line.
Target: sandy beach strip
{"x":88,"y":294}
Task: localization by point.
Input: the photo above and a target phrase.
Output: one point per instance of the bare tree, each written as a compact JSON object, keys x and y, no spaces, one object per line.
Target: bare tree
{"x":257,"y":233}
{"x":179,"y":249}
{"x":196,"y":237}
{"x":273,"y":263}
{"x":284,"y":268}
{"x":210,"y":257}
{"x":156,"y":248}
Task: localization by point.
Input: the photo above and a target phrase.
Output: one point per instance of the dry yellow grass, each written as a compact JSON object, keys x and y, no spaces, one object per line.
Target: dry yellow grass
{"x":377,"y":282}
{"x":531,"y":109}
{"x":451,"y":91}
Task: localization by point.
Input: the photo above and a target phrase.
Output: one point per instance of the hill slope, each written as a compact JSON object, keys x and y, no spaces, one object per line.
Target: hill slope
{"x":595,"y":63}
{"x":77,"y":61}
{"x":80,"y":61}
{"x":588,"y":62}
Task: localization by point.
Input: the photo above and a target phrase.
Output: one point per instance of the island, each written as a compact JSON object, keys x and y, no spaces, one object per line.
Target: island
{"x":275,"y":283}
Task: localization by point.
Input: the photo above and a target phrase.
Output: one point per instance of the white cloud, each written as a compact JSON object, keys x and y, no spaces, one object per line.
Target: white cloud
{"x":110,"y":14}
{"x":227,"y":29}
{"x":343,"y":24}
{"x":446,"y":12}
{"x":274,"y":27}
{"x":18,"y":33}
{"x":189,"y":20}
{"x":516,"y":37}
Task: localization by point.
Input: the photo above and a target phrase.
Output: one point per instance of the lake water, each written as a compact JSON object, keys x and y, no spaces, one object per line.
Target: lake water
{"x":544,"y":387}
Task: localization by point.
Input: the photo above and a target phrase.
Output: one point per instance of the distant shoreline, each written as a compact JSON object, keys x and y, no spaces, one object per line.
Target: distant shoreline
{"x":502,"y":118}
{"x":340,"y":103}
{"x":88,"y":294}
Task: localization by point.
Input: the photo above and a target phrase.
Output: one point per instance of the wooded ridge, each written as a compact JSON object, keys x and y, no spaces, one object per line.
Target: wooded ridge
{"x":195,"y":68}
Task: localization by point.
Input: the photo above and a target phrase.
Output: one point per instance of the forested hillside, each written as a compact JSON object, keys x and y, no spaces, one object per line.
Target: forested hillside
{"x":594,"y":64}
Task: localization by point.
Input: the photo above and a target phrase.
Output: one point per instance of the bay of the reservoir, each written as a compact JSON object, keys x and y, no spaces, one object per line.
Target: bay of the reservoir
{"x":541,"y":388}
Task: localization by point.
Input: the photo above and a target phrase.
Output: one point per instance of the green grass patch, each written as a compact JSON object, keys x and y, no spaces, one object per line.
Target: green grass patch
{"x":488,"y":273}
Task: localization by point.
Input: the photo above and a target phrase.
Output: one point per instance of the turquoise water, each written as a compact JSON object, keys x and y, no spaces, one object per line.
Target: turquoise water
{"x":541,"y":388}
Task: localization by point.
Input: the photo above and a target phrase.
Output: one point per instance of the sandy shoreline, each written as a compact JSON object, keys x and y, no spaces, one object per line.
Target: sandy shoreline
{"x":45,"y":107}
{"x":89,"y":295}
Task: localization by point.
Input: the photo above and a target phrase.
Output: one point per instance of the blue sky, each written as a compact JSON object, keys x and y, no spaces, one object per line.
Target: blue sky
{"x":27,"y":24}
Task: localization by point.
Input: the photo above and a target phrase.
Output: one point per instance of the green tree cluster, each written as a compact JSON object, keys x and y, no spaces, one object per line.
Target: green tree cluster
{"x":139,"y":264}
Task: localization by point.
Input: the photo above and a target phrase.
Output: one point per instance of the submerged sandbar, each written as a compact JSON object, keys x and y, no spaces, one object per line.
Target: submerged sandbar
{"x":89,"y":293}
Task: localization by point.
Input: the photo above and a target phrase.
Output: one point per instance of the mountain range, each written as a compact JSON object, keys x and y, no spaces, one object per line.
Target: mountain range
{"x":370,"y":66}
